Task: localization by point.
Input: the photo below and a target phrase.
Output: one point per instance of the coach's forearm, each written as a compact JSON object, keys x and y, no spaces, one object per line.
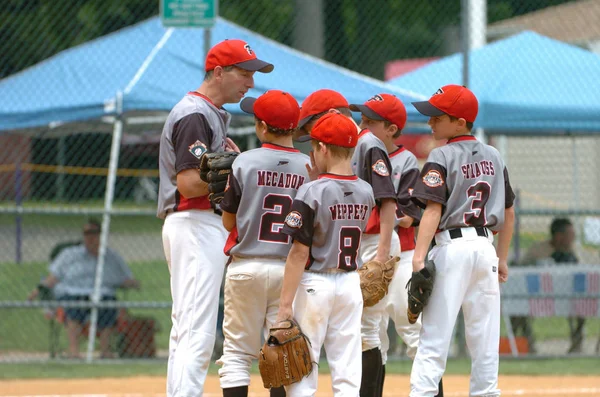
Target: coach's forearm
{"x":428,"y":226}
{"x":294,"y":268}
{"x":505,"y":235}
{"x":387,"y":214}
{"x":190,"y":185}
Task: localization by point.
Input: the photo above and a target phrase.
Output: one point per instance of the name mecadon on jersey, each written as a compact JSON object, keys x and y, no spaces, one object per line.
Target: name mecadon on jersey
{"x":475,"y":170}
{"x":279,"y":179}
{"x":348,"y":211}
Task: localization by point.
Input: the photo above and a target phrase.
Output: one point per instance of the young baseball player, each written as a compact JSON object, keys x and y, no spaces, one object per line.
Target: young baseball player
{"x":262,"y":187}
{"x":385,"y":116}
{"x":465,"y":190}
{"x":193,"y":235}
{"x":326,"y":223}
{"x":370,"y":163}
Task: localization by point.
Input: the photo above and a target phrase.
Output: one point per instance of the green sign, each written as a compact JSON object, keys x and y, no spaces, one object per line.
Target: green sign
{"x":188,"y":13}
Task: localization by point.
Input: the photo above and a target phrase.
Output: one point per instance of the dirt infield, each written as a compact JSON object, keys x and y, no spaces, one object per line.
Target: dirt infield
{"x":396,"y":385}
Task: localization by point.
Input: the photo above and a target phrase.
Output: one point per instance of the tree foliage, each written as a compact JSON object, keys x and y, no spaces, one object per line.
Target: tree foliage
{"x":360,"y":35}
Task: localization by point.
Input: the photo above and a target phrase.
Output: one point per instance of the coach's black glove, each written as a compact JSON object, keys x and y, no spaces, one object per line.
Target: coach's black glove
{"x":419,"y":288}
{"x":214,"y":170}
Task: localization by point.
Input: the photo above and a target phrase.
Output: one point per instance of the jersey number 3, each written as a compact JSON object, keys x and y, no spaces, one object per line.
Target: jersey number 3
{"x":348,"y":249}
{"x":277,"y":206}
{"x":479,"y":194}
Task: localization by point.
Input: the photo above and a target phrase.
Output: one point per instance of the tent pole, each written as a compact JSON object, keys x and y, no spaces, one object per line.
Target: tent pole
{"x":108,"y":202}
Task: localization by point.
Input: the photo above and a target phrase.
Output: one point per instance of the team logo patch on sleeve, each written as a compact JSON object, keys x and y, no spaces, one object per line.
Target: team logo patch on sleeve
{"x":294,"y":219}
{"x":380,"y":168}
{"x":433,"y":179}
{"x":197,"y":149}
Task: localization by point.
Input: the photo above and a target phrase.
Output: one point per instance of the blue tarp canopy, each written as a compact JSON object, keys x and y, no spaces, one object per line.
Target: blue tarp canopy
{"x":526,"y":83}
{"x":154,"y":67}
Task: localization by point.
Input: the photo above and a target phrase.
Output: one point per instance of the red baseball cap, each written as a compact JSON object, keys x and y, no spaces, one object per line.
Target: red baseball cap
{"x":318,"y":102}
{"x":383,"y":107}
{"x":454,"y":100}
{"x":235,"y":53}
{"x":276,"y":108}
{"x":334,"y":129}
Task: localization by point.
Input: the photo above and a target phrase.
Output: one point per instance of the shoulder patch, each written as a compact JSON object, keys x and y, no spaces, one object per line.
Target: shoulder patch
{"x":197,"y":149}
{"x":433,"y":179}
{"x":294,"y":219}
{"x":380,"y":168}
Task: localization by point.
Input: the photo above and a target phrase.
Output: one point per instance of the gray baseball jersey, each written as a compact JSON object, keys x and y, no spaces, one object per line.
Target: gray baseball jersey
{"x":329,"y":215}
{"x":194,"y":126}
{"x":371,"y":163}
{"x":470,"y":180}
{"x":405,"y":173}
{"x":261,"y":190}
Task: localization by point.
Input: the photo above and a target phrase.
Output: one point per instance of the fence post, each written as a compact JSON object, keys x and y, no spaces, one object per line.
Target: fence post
{"x":108,"y":202}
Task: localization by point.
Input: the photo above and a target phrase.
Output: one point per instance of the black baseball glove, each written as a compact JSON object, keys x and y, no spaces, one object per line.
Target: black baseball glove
{"x":214,"y":170}
{"x":419,"y":289}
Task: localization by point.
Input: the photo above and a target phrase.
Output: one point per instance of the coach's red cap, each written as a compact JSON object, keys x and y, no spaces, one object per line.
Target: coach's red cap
{"x":318,"y":102}
{"x":334,"y":129}
{"x":276,"y":108}
{"x":383,"y":107}
{"x":454,"y":100}
{"x":236,"y":53}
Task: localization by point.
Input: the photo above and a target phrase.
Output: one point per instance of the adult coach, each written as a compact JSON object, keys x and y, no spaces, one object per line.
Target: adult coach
{"x":193,"y":235}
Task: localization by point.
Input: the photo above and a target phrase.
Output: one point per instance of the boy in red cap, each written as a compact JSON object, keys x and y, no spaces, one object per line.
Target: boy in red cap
{"x":371,"y":163}
{"x":465,"y":190}
{"x":260,"y":191}
{"x":196,"y":125}
{"x":385,"y":116}
{"x":321,"y":288}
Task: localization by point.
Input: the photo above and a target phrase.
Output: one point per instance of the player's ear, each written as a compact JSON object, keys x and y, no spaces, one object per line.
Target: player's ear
{"x":218,"y":72}
{"x":392,"y":129}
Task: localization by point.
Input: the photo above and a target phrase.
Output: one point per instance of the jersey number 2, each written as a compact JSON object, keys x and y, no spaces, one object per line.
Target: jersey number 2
{"x":479,"y":194}
{"x":277,"y":207}
{"x":349,"y":243}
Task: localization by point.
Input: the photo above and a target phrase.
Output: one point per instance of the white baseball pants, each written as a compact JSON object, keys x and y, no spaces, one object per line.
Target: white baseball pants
{"x":467,"y":276}
{"x":372,"y":316}
{"x":395,"y":308}
{"x":193,"y":241}
{"x":327,"y":307}
{"x":252,"y":290}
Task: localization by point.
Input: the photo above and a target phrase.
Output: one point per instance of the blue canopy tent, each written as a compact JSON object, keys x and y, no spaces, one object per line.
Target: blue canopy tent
{"x":147,"y":67}
{"x":525,"y":84}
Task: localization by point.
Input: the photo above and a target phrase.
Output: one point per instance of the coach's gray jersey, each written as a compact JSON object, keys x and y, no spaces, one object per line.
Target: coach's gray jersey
{"x":470,"y":180}
{"x":194,"y":126}
{"x":329,"y":215}
{"x":405,"y":172}
{"x":262,"y":188}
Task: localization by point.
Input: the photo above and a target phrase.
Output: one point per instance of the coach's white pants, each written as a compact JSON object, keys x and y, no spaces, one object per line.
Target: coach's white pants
{"x":193,"y":242}
{"x":372,"y":316}
{"x":467,"y":276}
{"x":395,"y":308}
{"x":327,"y":307}
{"x":252,"y":289}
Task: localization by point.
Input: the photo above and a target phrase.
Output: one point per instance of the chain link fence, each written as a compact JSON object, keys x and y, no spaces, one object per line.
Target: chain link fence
{"x":53,"y":177}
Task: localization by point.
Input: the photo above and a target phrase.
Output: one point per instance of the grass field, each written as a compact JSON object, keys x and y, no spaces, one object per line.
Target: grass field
{"x":18,"y":280}
{"x":562,"y":367}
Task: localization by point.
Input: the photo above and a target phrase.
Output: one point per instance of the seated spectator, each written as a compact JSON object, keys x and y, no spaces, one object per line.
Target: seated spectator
{"x":72,"y":276}
{"x":558,"y":249}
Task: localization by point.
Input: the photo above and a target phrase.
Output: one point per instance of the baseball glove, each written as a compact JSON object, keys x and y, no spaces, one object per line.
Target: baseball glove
{"x":419,"y":289}
{"x":285,"y":357}
{"x":214,"y":170}
{"x":375,"y":278}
